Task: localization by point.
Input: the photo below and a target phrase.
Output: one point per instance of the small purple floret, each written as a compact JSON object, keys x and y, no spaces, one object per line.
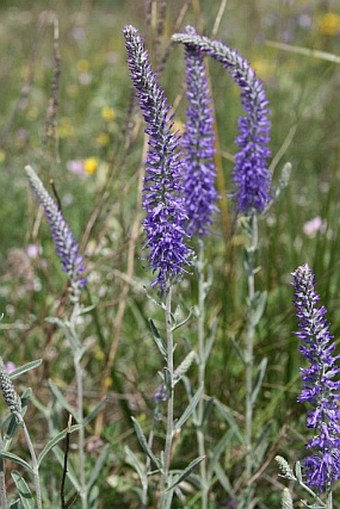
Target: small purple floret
{"x":198,"y":142}
{"x":65,"y":244}
{"x":165,"y":220}
{"x":321,"y":387}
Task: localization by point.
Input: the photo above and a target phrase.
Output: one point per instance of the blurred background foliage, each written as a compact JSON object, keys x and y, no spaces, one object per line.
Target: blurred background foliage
{"x":91,"y":147}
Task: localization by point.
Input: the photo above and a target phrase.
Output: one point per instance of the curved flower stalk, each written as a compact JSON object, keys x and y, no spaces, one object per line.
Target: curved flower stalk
{"x":66,"y":246}
{"x":164,"y":224}
{"x":198,"y":143}
{"x":321,"y":384}
{"x":251,"y":175}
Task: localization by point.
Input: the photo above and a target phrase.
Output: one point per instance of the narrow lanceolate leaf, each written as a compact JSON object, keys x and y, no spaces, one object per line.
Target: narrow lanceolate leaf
{"x":15,"y":504}
{"x":10,"y":456}
{"x":13,"y":422}
{"x":25,"y":494}
{"x":190,"y":409}
{"x":257,"y":307}
{"x":138,"y":466}
{"x":158,"y":339}
{"x":217,"y":451}
{"x":261,"y":371}
{"x":143,"y":442}
{"x":57,"y":393}
{"x":95,"y":473}
{"x":94,"y":412}
{"x":24,"y":369}
{"x":226,"y":413}
{"x":210,"y":340}
{"x":186,"y":472}
{"x":208,"y":406}
{"x":55,"y":440}
{"x":223,"y":479}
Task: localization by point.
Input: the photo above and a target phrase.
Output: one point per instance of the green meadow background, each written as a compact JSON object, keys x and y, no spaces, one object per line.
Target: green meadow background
{"x":88,"y":148}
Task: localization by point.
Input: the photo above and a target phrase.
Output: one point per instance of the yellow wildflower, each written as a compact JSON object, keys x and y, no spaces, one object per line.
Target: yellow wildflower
{"x":103,"y":139}
{"x":2,"y":155}
{"x":91,"y":165}
{"x":329,"y":23}
{"x":82,"y":65}
{"x":108,"y":114}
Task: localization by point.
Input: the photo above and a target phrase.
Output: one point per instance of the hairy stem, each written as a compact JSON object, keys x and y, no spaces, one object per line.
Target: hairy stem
{"x":249,"y":351}
{"x":34,"y":461}
{"x":330,"y":500}
{"x":170,"y":409}
{"x":77,"y":355}
{"x":201,"y":375}
{"x":3,"y":494}
{"x":81,"y":433}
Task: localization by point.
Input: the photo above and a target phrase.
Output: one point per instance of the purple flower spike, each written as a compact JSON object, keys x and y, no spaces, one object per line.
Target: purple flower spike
{"x":251,"y":175}
{"x":66,"y":246}
{"x":321,"y":383}
{"x":198,"y":141}
{"x":165,"y":211}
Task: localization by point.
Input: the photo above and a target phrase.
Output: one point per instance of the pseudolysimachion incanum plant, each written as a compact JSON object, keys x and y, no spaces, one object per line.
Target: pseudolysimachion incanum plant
{"x":198,"y":143}
{"x":163,"y":202}
{"x":321,"y":384}
{"x":65,"y":244}
{"x":251,"y":175}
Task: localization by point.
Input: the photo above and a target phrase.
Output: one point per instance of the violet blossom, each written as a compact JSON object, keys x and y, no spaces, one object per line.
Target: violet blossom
{"x":65,"y":244}
{"x":165,"y":220}
{"x":198,"y":142}
{"x":251,"y":175}
{"x":321,"y":383}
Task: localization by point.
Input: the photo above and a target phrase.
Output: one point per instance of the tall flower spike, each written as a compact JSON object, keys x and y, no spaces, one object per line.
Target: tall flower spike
{"x":321,"y":383}
{"x":251,"y":175}
{"x":198,"y":142}
{"x":165,"y":212}
{"x":66,"y":246}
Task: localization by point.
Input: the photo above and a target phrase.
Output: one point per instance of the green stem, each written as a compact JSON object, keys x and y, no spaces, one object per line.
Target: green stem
{"x":249,"y":351}
{"x":330,"y":500}
{"x":81,"y":433}
{"x":3,"y":495}
{"x":77,"y":355}
{"x":35,"y":466}
{"x":201,"y":375}
{"x":170,"y":410}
